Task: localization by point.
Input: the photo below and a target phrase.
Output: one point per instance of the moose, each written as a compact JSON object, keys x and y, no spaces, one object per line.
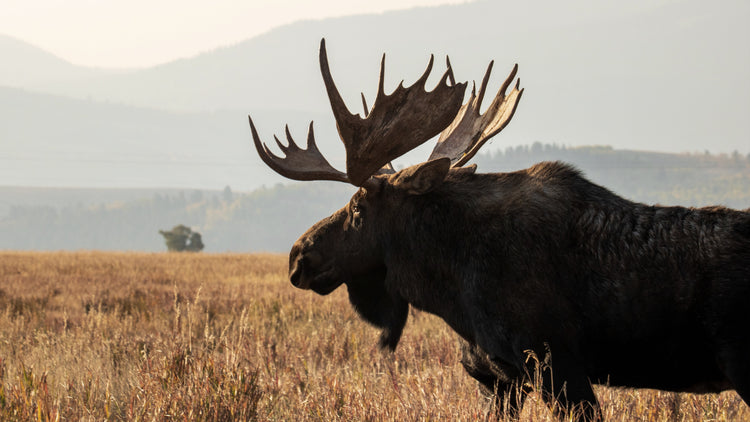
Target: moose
{"x":541,"y":260}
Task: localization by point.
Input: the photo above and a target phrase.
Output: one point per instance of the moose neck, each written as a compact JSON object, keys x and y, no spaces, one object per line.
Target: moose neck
{"x":427,"y":250}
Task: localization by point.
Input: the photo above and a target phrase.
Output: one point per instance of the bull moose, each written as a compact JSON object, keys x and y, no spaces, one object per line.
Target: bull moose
{"x":539,"y":260}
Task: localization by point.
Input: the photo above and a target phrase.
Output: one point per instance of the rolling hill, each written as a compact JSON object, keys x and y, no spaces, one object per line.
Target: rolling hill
{"x":52,"y":140}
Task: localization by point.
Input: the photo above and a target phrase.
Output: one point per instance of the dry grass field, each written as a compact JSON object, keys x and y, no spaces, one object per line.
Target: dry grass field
{"x":130,"y":336}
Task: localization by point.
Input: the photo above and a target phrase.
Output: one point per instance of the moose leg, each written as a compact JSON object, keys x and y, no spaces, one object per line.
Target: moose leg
{"x":735,"y":363}
{"x":732,"y":342}
{"x":505,"y":393}
{"x":567,"y":383}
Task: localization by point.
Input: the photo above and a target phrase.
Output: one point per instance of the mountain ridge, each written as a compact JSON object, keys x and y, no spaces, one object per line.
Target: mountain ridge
{"x":67,"y":142}
{"x":28,"y":66}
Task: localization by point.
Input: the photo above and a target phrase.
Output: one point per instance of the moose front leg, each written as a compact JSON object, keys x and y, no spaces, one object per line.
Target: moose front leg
{"x":505,"y":393}
{"x":566,"y":387}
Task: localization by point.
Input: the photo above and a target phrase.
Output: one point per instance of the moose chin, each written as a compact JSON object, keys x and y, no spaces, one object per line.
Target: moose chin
{"x":539,"y":260}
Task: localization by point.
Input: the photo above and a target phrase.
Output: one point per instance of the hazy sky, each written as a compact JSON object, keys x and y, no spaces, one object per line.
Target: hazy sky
{"x":141,"y":33}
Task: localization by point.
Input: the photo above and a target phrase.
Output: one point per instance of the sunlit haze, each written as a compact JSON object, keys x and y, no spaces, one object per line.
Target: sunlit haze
{"x":141,"y":33}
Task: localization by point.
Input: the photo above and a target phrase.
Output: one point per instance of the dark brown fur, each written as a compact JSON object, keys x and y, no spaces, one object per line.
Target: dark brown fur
{"x":543,"y":260}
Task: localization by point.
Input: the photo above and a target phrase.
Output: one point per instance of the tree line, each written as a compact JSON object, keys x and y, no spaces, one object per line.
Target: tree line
{"x":271,"y":218}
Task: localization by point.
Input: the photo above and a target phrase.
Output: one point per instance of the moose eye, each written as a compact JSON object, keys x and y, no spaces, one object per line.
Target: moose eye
{"x":355,"y":209}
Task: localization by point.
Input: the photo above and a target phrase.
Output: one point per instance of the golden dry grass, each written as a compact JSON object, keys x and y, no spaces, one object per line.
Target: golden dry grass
{"x":130,"y":336}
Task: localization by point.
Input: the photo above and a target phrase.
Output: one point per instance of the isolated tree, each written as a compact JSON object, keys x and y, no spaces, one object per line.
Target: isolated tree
{"x":181,"y":238}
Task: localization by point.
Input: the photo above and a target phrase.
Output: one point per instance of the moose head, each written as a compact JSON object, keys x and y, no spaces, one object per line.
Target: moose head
{"x":353,"y":246}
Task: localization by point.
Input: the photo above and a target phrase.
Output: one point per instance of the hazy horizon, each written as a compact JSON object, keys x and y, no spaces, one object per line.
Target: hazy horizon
{"x":136,"y":34}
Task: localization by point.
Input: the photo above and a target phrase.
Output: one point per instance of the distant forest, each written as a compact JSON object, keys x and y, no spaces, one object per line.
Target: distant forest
{"x":270,"y":219}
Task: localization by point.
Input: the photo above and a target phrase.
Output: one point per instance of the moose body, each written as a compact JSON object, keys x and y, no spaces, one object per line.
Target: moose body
{"x":542,"y":259}
{"x":605,"y":290}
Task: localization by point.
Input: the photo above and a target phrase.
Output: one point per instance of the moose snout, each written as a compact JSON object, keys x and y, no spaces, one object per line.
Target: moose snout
{"x":295,"y":275}
{"x":302,"y":263}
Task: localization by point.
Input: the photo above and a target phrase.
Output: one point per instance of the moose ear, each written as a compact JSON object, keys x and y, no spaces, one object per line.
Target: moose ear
{"x":465,"y":170}
{"x":422,"y":178}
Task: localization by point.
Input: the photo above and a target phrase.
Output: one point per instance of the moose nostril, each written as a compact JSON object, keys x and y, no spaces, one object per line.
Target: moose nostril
{"x":295,"y":273}
{"x":295,"y":264}
{"x":302,"y":261}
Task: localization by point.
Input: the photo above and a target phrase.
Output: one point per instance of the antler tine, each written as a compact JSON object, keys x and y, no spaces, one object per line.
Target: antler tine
{"x":292,"y":146}
{"x":485,"y":80}
{"x":450,"y":70}
{"x":340,"y":111}
{"x":298,"y":164}
{"x":396,"y":124}
{"x":469,"y":131}
{"x":364,"y":105}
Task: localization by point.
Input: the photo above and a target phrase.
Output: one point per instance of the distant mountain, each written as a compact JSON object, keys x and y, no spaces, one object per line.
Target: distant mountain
{"x":649,"y":75}
{"x":25,"y":65}
{"x":48,"y":140}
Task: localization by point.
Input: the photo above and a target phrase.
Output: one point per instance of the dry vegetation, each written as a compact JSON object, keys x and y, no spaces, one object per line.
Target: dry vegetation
{"x":126,"y":336}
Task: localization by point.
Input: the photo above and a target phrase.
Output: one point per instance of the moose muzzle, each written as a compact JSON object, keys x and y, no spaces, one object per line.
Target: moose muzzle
{"x":303,"y":265}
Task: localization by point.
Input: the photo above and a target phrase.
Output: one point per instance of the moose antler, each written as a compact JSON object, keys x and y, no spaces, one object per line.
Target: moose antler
{"x":397,"y":123}
{"x":299,"y":164}
{"x":470,"y":130}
